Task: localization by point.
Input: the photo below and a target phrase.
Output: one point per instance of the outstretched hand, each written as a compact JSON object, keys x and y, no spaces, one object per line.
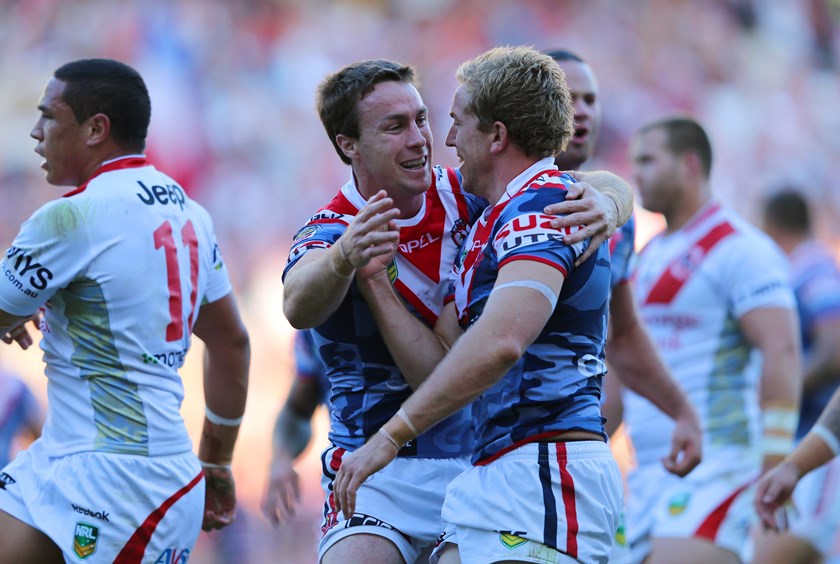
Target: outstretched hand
{"x":595,"y":213}
{"x":357,"y":467}
{"x":219,"y":497}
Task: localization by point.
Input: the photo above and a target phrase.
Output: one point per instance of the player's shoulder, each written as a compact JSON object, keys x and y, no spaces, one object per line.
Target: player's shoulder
{"x":58,"y":218}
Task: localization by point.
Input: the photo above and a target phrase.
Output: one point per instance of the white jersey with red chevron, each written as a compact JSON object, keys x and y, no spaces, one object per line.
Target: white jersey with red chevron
{"x":120,"y":267}
{"x":693,"y":286}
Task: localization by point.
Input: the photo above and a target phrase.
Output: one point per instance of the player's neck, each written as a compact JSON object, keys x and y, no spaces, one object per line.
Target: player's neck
{"x":686,"y":210}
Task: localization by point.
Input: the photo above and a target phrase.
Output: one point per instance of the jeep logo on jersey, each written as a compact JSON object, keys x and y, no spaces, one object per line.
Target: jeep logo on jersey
{"x":170,"y":194}
{"x":6,"y":480}
{"x":84,"y":539}
{"x":30,"y":271}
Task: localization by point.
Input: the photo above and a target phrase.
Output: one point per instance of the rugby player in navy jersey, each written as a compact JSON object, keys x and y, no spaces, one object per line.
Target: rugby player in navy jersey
{"x":394,"y":200}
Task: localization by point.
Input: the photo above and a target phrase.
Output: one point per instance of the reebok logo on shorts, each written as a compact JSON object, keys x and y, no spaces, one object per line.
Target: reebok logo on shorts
{"x":84,"y":539}
{"x":101,"y":515}
{"x":6,"y":480}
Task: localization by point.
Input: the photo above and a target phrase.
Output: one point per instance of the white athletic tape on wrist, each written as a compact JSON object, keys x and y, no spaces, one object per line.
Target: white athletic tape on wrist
{"x":534,"y":285}
{"x":828,"y":437}
{"x":404,"y":416}
{"x":780,"y":419}
{"x":779,"y":429}
{"x":219,"y":420}
{"x":211,"y":465}
{"x":772,"y":445}
{"x":389,"y":437}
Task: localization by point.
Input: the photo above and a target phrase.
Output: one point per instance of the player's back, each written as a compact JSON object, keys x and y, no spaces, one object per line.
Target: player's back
{"x":128,"y":259}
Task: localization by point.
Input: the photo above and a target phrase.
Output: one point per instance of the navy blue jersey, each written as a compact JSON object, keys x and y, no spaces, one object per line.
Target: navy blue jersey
{"x":366,"y":386}
{"x":556,"y":385}
{"x":816,"y":285}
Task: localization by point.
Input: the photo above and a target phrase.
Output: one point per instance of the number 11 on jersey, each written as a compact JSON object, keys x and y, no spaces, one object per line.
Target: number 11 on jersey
{"x":163,"y":238}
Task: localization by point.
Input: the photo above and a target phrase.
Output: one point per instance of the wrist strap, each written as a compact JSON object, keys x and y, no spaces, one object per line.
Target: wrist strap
{"x":389,"y":437}
{"x":211,"y":465}
{"x":829,"y":438}
{"x":219,"y":420}
{"x":345,"y":259}
{"x":404,"y":416}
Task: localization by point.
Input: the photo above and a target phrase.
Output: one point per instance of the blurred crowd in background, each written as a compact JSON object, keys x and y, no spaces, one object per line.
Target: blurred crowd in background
{"x":233,"y":85}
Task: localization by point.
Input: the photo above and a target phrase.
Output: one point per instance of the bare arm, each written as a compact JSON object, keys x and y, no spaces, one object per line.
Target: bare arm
{"x":415,"y":347}
{"x":819,"y":446}
{"x":773,"y":330}
{"x":635,"y":360}
{"x":292,"y":433}
{"x":511,"y":320}
{"x":316,"y":285}
{"x":226,"y":361}
{"x":823,"y":363}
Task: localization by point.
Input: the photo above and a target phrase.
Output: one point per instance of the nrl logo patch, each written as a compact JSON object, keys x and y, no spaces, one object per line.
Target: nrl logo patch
{"x":511,"y":541}
{"x":84,"y":539}
{"x":306,"y":233}
{"x":678,"y":503}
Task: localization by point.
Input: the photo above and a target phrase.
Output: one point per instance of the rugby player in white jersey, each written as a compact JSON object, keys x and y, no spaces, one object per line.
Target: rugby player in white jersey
{"x":124,"y":269}
{"x":814,"y":532}
{"x":632,"y":357}
{"x":713,"y":291}
{"x":544,"y":486}
{"x":377,"y":122}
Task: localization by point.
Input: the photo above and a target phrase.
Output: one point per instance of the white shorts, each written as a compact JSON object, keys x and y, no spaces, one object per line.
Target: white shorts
{"x":542,"y":502}
{"x":98,"y":506}
{"x":817,"y":502}
{"x":402,"y":502}
{"x":713,"y":502}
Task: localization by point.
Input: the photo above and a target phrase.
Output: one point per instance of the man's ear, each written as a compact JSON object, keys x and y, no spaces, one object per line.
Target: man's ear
{"x":692,"y":164}
{"x":347,"y":145}
{"x":99,"y":129}
{"x":498,"y":137}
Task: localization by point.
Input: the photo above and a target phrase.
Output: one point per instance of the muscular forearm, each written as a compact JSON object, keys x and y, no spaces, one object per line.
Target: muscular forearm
{"x":613,"y":186}
{"x":225,"y":392}
{"x":416,"y":348}
{"x":822,"y":368}
{"x":291,"y":434}
{"x":315,"y":287}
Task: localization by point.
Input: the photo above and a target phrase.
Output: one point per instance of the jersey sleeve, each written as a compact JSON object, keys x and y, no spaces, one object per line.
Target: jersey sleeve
{"x":50,"y":251}
{"x":820,"y":295}
{"x":757,"y":275}
{"x":320,"y":232}
{"x":525,"y":232}
{"x":218,"y":280}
